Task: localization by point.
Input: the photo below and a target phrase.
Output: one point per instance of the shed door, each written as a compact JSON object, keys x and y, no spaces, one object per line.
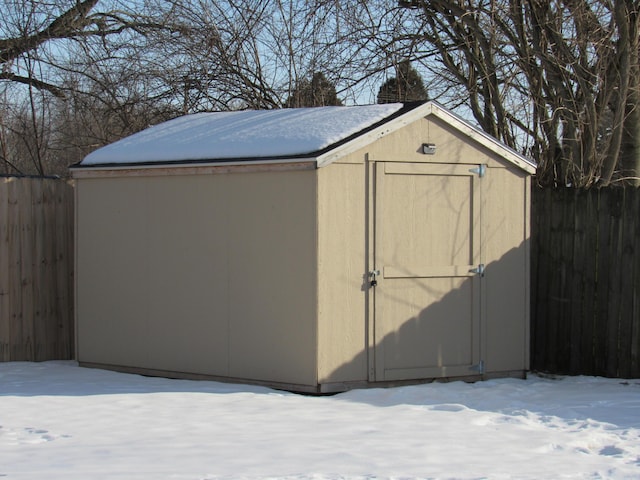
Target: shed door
{"x":427,"y":246}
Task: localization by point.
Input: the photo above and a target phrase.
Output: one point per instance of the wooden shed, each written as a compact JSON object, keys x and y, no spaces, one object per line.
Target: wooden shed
{"x":314,"y":250}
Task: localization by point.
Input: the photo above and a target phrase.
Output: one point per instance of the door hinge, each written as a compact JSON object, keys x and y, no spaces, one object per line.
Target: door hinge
{"x":479,"y":270}
{"x":480,"y":170}
{"x":479,"y":367}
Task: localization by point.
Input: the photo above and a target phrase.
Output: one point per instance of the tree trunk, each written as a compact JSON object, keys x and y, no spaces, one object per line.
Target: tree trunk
{"x":630,"y":143}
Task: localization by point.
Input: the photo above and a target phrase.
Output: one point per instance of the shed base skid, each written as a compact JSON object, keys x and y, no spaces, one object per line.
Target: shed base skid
{"x":322,"y":389}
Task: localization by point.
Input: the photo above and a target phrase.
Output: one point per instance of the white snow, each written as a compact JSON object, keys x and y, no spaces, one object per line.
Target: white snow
{"x":242,"y":134}
{"x":60,"y":421}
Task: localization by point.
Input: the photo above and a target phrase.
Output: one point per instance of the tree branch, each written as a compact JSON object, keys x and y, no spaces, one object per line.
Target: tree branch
{"x":34,"y":82}
{"x":67,"y":25}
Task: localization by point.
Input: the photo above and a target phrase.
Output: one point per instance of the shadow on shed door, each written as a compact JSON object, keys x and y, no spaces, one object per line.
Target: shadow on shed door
{"x":427,"y":244}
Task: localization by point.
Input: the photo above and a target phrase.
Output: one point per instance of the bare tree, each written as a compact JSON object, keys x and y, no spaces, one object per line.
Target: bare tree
{"x":555,"y":79}
{"x":86,"y":73}
{"x":39,"y":31}
{"x":44,"y":45}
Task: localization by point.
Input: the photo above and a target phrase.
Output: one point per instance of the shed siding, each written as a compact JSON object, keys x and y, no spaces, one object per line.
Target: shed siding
{"x":342,"y":269}
{"x":505,"y":234}
{"x":506,"y":254}
{"x":194,"y":274}
{"x":504,"y":238}
{"x":405,"y":145}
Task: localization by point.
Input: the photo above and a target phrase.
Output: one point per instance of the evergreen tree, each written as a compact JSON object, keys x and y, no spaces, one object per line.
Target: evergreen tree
{"x":406,"y":86}
{"x":318,"y":92}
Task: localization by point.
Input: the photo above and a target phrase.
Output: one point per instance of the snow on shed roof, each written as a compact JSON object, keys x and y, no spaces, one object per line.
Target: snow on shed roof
{"x":243,"y":134}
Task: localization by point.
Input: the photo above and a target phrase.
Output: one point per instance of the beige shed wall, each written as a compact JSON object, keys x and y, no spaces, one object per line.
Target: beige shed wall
{"x":505,"y":239}
{"x":341,"y":271}
{"x":194,"y":274}
{"x":405,"y":145}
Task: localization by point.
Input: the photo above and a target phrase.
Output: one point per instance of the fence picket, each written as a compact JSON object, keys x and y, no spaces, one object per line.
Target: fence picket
{"x":5,"y":288}
{"x":579,"y":264}
{"x":588,"y":255}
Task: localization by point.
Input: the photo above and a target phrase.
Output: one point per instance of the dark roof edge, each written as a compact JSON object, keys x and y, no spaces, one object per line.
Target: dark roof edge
{"x":197,"y":162}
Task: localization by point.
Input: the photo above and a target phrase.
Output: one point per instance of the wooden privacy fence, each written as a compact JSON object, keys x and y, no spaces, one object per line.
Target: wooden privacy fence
{"x":36,"y":269}
{"x":585,"y":257}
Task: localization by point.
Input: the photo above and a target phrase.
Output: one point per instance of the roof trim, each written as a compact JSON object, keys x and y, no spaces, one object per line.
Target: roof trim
{"x":423,"y":110}
{"x":483,"y":138}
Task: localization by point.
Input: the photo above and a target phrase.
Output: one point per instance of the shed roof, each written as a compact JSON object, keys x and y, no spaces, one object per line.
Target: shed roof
{"x":261,"y":136}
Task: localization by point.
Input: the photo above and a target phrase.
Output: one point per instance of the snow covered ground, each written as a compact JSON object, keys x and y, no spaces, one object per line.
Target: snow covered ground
{"x":60,"y":421}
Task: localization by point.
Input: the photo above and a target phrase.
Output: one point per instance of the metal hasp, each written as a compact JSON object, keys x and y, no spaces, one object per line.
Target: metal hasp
{"x":478,"y":270}
{"x":373,"y":274}
{"x":480,"y":170}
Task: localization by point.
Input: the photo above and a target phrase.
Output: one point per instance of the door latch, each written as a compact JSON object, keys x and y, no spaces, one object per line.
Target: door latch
{"x":373,"y":274}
